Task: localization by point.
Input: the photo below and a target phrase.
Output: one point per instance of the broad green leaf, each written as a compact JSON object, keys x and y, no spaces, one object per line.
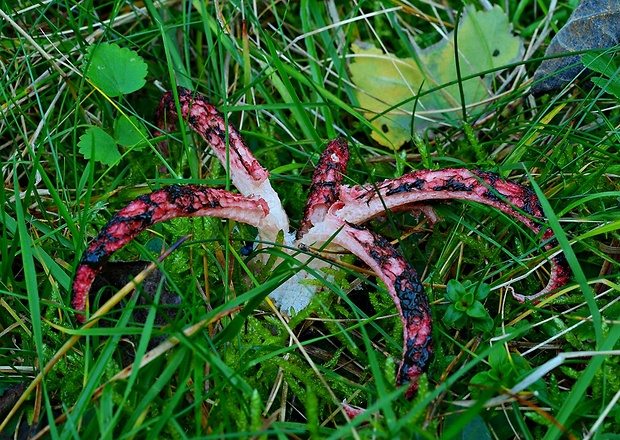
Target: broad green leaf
{"x":452,"y":315}
{"x":477,"y":310}
{"x":484,"y":324}
{"x":482,"y":291}
{"x":385,"y":81}
{"x":604,"y":64}
{"x":129,"y":132}
{"x":609,"y":85}
{"x":115,"y":70}
{"x":481,"y":383}
{"x":388,"y":87}
{"x":601,"y":63}
{"x":454,"y":290}
{"x":498,"y":356}
{"x":96,"y":144}
{"x":459,"y":427}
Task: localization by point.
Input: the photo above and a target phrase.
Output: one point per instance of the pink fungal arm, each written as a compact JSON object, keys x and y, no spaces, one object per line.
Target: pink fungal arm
{"x":159,"y":206}
{"x":326,"y":182}
{"x":223,"y":138}
{"x":335,"y":211}
{"x":246,"y":173}
{"x":321,"y":225}
{"x":402,"y":284}
{"x":362,"y":203}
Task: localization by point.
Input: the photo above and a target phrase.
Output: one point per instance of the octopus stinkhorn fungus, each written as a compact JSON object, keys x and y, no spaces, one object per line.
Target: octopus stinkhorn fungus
{"x":333,"y":216}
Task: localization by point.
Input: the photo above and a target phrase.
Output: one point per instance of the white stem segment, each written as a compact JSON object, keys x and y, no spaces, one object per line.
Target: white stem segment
{"x":246,"y":173}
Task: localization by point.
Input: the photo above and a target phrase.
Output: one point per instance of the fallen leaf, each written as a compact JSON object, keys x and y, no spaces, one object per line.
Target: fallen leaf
{"x":119,"y":273}
{"x":594,"y":24}
{"x":388,"y":87}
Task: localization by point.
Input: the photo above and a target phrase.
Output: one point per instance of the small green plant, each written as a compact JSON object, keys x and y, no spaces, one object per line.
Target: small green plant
{"x":114,"y":71}
{"x":466,"y":301}
{"x":505,"y":370}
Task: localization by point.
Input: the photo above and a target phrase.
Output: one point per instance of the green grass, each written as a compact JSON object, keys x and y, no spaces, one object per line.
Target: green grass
{"x":226,"y":364}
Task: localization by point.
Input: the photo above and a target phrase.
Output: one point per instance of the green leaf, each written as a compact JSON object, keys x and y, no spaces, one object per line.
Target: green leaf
{"x":115,"y":70}
{"x":605,"y":65}
{"x":484,"y":324}
{"x":476,"y":428}
{"x":130,"y":132}
{"x":452,"y":315}
{"x":461,"y":306}
{"x":455,"y":290}
{"x":96,"y":144}
{"x":506,"y":374}
{"x":468,"y":298}
{"x":609,"y":85}
{"x":388,"y":87}
{"x":477,"y":310}
{"x":601,"y":63}
{"x":498,"y":356}
{"x":482,"y":291}
{"x":494,"y":375}
{"x":482,"y":379}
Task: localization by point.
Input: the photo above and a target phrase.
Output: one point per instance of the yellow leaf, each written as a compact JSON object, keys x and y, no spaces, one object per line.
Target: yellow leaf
{"x":389,"y":88}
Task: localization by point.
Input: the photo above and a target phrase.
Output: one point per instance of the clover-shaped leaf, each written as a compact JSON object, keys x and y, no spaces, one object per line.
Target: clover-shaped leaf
{"x":98,"y":145}
{"x":129,"y":132}
{"x":116,"y":70}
